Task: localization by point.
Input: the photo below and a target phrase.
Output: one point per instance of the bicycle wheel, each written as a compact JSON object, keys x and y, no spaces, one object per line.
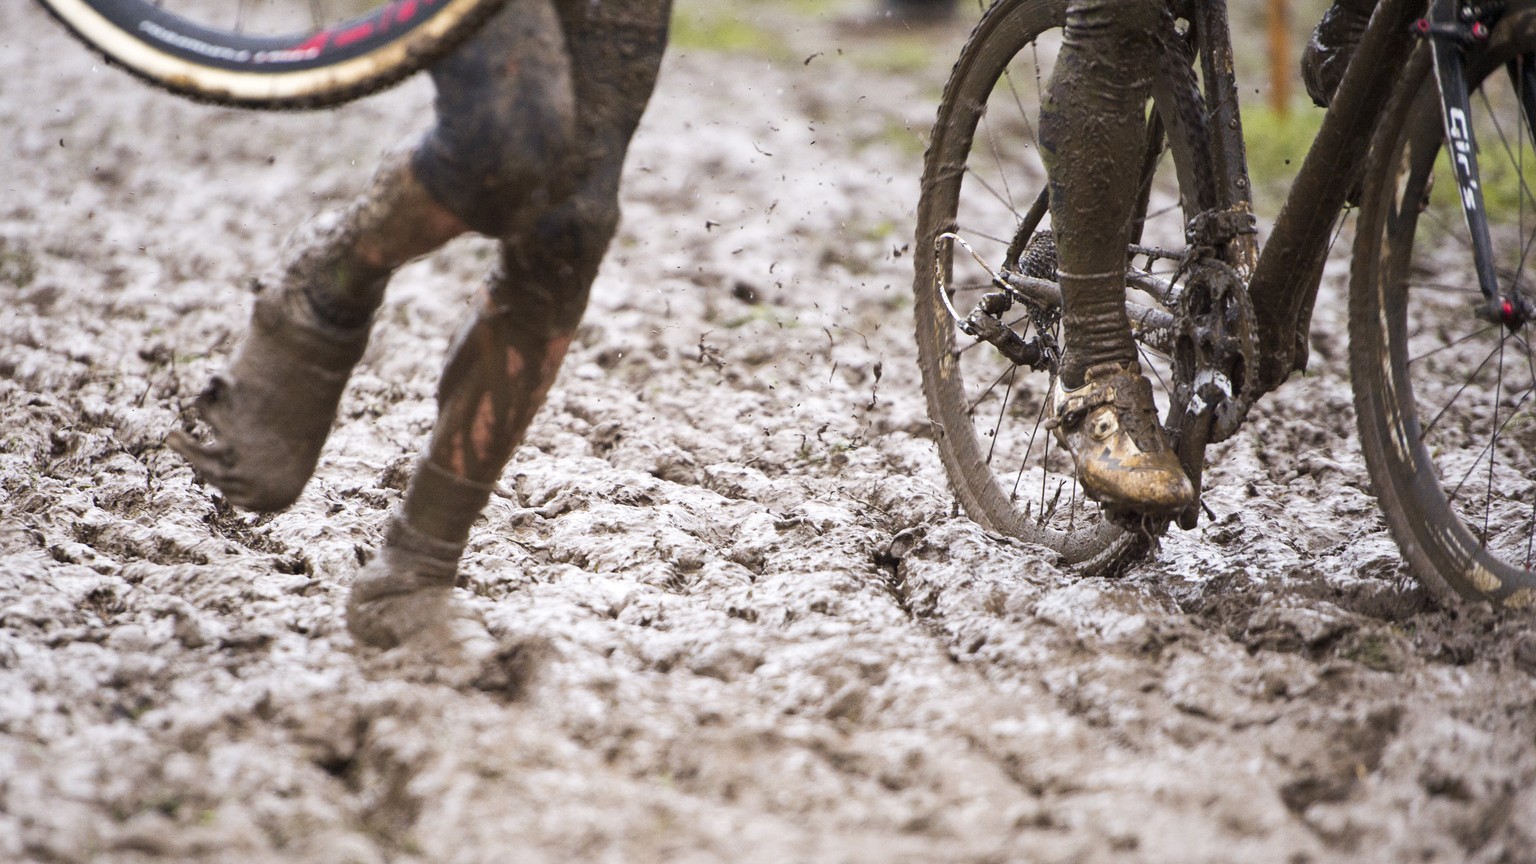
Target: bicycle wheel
{"x":1445,"y":399}
{"x":984,"y":182}
{"x":271,"y":53}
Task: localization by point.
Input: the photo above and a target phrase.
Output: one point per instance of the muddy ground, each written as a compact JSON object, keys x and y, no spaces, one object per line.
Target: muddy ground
{"x":744,"y":622}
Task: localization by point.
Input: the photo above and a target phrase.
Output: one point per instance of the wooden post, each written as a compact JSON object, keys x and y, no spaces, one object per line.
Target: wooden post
{"x":1281,"y":63}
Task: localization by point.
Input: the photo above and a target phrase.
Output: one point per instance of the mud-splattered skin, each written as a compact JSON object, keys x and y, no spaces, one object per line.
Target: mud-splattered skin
{"x":1091,"y":132}
{"x":534,"y":116}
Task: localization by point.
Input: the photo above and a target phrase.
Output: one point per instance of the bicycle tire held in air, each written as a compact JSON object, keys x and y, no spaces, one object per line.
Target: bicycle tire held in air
{"x":318,"y":66}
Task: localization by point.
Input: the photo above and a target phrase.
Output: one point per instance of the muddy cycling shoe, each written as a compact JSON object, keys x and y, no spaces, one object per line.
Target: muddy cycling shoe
{"x":1122,"y":457}
{"x":1333,"y":42}
{"x":404,"y":597}
{"x":271,"y":412}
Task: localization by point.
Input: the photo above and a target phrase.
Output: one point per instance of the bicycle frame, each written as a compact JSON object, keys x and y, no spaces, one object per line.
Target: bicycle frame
{"x":1221,"y":320}
{"x":1288,"y":270}
{"x":1283,"y":276}
{"x":1285,"y":280}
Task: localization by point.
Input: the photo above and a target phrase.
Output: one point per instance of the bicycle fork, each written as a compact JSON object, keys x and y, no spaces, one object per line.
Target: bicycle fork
{"x":1453,"y":27}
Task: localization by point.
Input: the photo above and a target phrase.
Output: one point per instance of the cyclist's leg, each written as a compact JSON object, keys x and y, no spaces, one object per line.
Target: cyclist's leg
{"x":1092,"y":131}
{"x":508,"y":353}
{"x":1092,"y":128}
{"x":506,"y":115}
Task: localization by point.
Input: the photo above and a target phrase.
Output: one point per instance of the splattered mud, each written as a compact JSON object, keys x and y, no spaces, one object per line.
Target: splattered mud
{"x":742,"y":620}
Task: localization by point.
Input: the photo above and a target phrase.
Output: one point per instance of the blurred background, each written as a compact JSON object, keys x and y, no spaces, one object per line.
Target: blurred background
{"x":922,"y":37}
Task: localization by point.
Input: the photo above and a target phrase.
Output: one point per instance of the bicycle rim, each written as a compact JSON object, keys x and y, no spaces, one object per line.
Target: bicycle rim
{"x":1447,"y":400}
{"x":982,"y":177}
{"x":271,"y":53}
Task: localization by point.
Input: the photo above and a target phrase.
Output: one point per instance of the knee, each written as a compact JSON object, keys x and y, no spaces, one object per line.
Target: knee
{"x":505,"y":141}
{"x":578,"y":232}
{"x":1121,"y":22}
{"x":548,"y":265}
{"x":490,"y":164}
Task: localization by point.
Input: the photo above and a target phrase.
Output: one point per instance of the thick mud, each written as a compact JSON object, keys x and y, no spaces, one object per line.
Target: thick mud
{"x":742,"y":620}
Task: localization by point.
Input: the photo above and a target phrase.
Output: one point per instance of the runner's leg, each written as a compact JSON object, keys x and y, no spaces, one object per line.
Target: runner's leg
{"x":271,"y":411}
{"x":507,"y":355}
{"x":505,"y":118}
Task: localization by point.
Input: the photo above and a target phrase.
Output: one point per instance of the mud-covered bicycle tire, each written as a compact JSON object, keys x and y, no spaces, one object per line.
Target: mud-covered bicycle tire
{"x":1443,"y":553}
{"x":1104,"y":548}
{"x":307,"y":70}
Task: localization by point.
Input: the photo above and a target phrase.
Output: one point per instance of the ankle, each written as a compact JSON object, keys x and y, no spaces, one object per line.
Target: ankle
{"x":409,"y":562}
{"x":286,"y":318}
{"x":441,"y":504}
{"x":1074,"y":374}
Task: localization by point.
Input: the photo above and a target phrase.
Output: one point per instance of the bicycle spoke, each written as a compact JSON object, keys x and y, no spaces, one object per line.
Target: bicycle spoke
{"x":1045,"y":475}
{"x":1493,"y":443}
{"x":1019,"y":102}
{"x":1516,"y":153}
{"x":1002,"y":409}
{"x":1338,"y":229}
{"x":1461,"y":341}
{"x":1454,"y":492}
{"x":973,"y":233}
{"x":1017,"y":216}
{"x":976,"y":403}
{"x":997,"y":159}
{"x":1455,"y":229}
{"x":1445,"y":288}
{"x":1034,"y":432}
{"x":1146,"y":354}
{"x":1457,"y":395}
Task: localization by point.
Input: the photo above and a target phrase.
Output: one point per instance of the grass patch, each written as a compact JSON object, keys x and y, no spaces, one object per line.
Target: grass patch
{"x":900,"y":55}
{"x":1277,"y":144}
{"x":811,"y":7}
{"x":18,"y":266}
{"x":722,"y":27}
{"x":1499,"y":177}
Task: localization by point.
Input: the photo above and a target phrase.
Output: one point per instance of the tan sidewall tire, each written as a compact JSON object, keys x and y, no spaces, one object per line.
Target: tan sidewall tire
{"x":347,"y":79}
